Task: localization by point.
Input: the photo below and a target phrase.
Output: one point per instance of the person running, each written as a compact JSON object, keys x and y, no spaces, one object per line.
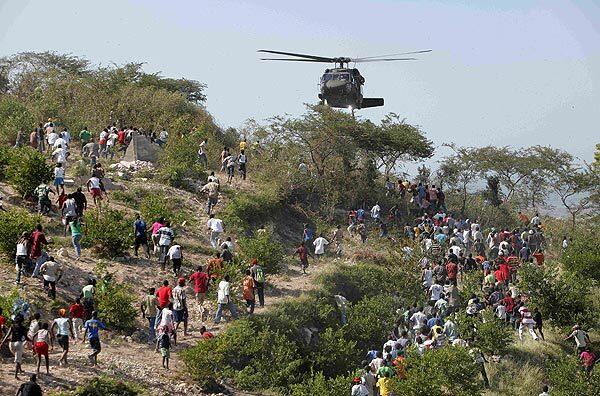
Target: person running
{"x":41,"y":341}
{"x":18,"y":337}
{"x":165,"y":235}
{"x":37,"y":241}
{"x":42,"y":193}
{"x":212,"y":191}
{"x":320,"y":244}
{"x":242,"y":160}
{"x":303,"y":254}
{"x":164,"y":294}
{"x":582,"y":339}
{"x":224,"y":300}
{"x":76,"y":313}
{"x":76,"y":235}
{"x":157,"y":225}
{"x":140,"y":229}
{"x":338,"y":238}
{"x":87,"y":294}
{"x":52,"y":272}
{"x":30,"y":388}
{"x":59,"y":177}
{"x":526,"y":322}
{"x":164,"y":325}
{"x":215,"y":227}
{"x":176,"y":258}
{"x":149,"y":308}
{"x":80,"y":202}
{"x":165,"y":347}
{"x":258,"y":275}
{"x":180,"y":308}
{"x":200,"y":280}
{"x":92,"y":330}
{"x":94,"y":188}
{"x":537,"y":318}
{"x":248,"y":292}
{"x":64,"y":328}
{"x":21,"y":257}
{"x":230,"y":161}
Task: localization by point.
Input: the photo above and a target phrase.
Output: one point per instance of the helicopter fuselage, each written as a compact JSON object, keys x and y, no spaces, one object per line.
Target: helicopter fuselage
{"x":342,"y":88}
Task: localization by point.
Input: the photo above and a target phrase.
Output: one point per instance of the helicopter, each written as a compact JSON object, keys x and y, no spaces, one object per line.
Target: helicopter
{"x":341,"y":87}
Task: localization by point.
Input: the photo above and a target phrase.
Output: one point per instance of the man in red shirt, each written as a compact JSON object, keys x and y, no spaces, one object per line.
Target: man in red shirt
{"x":77,"y":313}
{"x":452,"y":272}
{"x":37,"y":240}
{"x":206,"y":335}
{"x":200,"y":280}
{"x":164,"y":295}
{"x":302,"y":252}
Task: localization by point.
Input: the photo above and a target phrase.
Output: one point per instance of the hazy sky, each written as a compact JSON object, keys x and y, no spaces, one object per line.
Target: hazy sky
{"x":501,"y":72}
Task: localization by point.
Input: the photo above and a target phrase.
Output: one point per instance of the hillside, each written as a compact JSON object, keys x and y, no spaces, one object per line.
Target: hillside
{"x":389,"y":283}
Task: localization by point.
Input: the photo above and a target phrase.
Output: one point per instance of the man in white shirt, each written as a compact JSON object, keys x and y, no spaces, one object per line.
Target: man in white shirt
{"x":60,"y":142}
{"x":60,"y":155}
{"x":224,"y":300}
{"x":175,"y":256}
{"x":435,"y":290}
{"x":320,"y":244}
{"x":162,"y":138}
{"x":215,"y":226}
{"x":180,"y":313}
{"x":419,"y":319}
{"x":165,"y":235}
{"x":51,"y":138}
{"x":375,"y":211}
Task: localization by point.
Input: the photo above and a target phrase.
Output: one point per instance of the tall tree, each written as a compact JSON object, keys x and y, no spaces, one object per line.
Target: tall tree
{"x":460,"y":171}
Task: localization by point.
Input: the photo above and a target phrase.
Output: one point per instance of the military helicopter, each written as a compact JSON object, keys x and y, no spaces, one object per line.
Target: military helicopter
{"x":341,"y":87}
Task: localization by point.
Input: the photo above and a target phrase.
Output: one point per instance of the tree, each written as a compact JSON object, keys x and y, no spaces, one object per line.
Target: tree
{"x":395,"y":141}
{"x":460,"y":171}
{"x":511,"y":167}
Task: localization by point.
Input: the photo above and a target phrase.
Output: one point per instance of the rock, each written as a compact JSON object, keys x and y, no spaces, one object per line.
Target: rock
{"x":62,"y":252}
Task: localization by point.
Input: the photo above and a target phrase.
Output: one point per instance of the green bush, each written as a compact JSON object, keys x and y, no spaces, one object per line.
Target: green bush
{"x":564,"y":299}
{"x":582,"y":256}
{"x":6,"y":303}
{"x":440,"y":372}
{"x":178,"y":163}
{"x":567,"y":378}
{"x":13,"y":116}
{"x":253,"y":356}
{"x":265,"y":248}
{"x":489,"y":334}
{"x":319,"y":385}
{"x":14,"y":223}
{"x":106,"y":386}
{"x":27,"y":169}
{"x":246,"y":209}
{"x":369,"y":322}
{"x":107,"y":233}
{"x":154,"y":206}
{"x":115,"y":306}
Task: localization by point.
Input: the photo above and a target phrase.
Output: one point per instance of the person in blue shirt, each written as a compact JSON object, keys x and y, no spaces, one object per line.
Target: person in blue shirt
{"x":141,"y":238}
{"x":92,"y":330}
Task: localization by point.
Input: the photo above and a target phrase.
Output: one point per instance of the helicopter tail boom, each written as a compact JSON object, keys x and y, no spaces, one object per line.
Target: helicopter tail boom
{"x":371,"y":102}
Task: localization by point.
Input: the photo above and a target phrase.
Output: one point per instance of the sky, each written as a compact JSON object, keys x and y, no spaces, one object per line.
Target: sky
{"x":515,"y":72}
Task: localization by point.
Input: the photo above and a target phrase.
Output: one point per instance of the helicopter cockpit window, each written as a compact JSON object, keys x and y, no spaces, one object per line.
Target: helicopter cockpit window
{"x":335,"y":77}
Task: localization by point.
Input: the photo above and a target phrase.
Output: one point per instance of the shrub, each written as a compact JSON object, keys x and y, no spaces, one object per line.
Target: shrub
{"x":582,"y":256}
{"x":115,"y":305}
{"x":562,"y":298}
{"x":14,"y":223}
{"x":319,"y":385}
{"x":104,"y":385}
{"x":567,"y":378}
{"x":6,"y":303}
{"x":368,"y":280}
{"x":107,"y":233}
{"x":264,"y":248}
{"x":14,"y":116}
{"x":370,"y":321}
{"x":154,"y":206}
{"x":440,"y":372}
{"x":27,"y":169}
{"x":246,"y":209}
{"x":489,"y":334}
{"x":178,"y":163}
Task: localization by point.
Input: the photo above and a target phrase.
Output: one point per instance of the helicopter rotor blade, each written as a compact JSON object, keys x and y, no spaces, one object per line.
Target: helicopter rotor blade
{"x":403,"y":53}
{"x":294,"y":60}
{"x":315,"y":57}
{"x":381,"y":60}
